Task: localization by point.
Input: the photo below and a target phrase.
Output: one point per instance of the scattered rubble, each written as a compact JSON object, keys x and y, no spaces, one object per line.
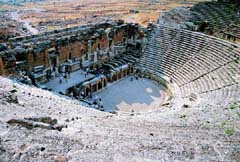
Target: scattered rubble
{"x":41,"y":122}
{"x":208,"y":131}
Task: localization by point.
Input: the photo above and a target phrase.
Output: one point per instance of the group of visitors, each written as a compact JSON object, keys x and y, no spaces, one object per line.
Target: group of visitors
{"x":64,"y":75}
{"x":77,"y":93}
{"x":97,"y":102}
{"x":136,"y":75}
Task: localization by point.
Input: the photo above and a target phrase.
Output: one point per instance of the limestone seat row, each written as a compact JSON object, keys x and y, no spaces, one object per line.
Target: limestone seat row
{"x":197,"y":63}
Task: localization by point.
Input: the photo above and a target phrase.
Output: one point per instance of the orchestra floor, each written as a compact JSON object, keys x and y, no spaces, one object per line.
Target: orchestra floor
{"x":140,"y":95}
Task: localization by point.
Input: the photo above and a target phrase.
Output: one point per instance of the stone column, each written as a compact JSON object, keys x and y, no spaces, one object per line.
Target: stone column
{"x":89,"y":49}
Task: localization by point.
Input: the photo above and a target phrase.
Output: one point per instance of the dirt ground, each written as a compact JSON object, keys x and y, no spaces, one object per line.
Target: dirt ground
{"x":53,"y":14}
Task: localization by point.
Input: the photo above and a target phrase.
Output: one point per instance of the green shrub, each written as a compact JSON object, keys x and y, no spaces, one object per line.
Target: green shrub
{"x":233,"y":106}
{"x":183,"y":116}
{"x":229,"y":132}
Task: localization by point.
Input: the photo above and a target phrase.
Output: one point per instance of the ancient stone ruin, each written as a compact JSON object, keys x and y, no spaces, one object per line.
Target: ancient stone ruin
{"x":167,"y":92}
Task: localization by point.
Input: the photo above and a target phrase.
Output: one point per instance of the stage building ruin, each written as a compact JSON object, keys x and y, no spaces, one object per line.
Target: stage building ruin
{"x":42,"y":57}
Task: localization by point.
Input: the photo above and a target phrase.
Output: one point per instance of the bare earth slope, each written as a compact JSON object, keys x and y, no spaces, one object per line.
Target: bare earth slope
{"x":39,"y":16}
{"x":185,"y":134}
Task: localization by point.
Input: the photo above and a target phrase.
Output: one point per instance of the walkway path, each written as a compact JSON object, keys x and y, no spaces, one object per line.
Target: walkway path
{"x":16,"y":16}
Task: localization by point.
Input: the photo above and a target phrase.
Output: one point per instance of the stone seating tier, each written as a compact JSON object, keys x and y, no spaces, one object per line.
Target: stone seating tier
{"x":197,"y":63}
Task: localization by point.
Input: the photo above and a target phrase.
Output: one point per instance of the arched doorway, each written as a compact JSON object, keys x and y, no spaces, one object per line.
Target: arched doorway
{"x":119,"y":75}
{"x":100,"y":85}
{"x":88,"y":91}
{"x":105,"y":82}
{"x":94,"y":88}
{"x":114,"y":77}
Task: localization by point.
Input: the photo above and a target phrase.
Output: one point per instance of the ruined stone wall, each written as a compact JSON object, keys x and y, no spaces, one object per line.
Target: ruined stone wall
{"x":9,"y":64}
{"x":2,"y":69}
{"x":63,"y":53}
{"x":75,"y":49}
{"x":59,"y":46}
{"x":71,"y":51}
{"x":37,"y":59}
{"x":95,"y":43}
{"x":99,"y":43}
{"x":104,"y":42}
{"x":118,"y":36}
{"x":6,"y":33}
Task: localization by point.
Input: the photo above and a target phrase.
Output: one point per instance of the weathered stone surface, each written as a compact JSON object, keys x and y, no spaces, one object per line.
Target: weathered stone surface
{"x":100,"y":136}
{"x":37,"y":123}
{"x":46,"y":119}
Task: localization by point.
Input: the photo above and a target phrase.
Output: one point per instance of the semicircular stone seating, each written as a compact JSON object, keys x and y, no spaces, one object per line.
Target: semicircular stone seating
{"x":221,"y":17}
{"x":197,"y":63}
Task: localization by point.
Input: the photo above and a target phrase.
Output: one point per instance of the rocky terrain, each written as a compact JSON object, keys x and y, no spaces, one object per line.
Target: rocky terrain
{"x":34,"y":16}
{"x":36,"y":125}
{"x":39,"y":125}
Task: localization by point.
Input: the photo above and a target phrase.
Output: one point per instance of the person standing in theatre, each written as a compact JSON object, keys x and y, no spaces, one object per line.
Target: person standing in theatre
{"x":60,"y":79}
